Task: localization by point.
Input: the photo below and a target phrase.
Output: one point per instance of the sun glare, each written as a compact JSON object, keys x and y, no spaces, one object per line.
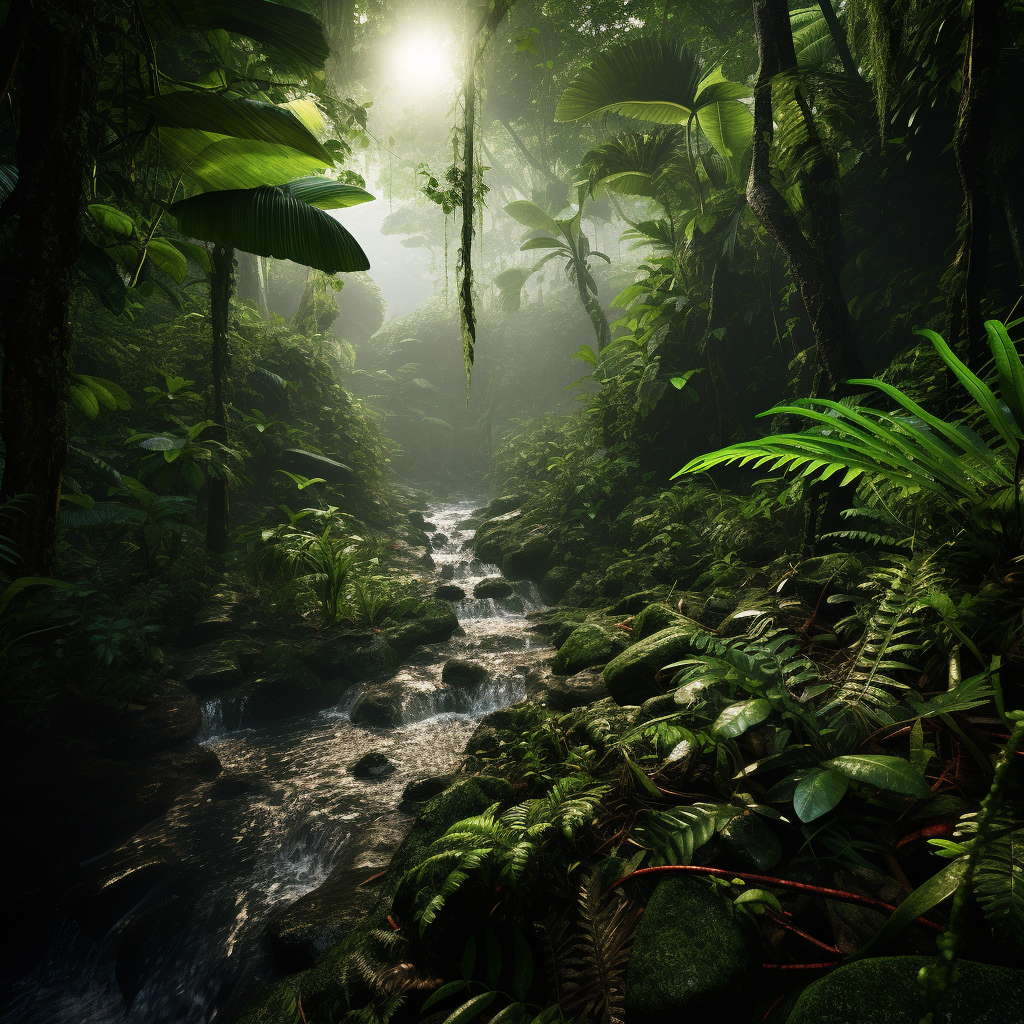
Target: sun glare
{"x":422,"y":65}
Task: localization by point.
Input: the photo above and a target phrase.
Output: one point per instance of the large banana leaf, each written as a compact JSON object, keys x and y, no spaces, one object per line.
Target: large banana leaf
{"x":812,"y":39}
{"x":269,"y":222}
{"x":532,"y":216}
{"x":238,"y":118}
{"x":726,"y":124}
{"x":292,"y":31}
{"x":326,"y":194}
{"x":214,"y":162}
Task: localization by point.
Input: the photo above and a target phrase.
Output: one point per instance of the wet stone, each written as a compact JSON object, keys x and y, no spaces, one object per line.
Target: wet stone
{"x":449,"y":592}
{"x":495,"y":587}
{"x":466,"y":675}
{"x":374,"y":765}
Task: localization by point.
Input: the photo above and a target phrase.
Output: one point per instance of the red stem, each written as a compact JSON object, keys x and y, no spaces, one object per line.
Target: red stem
{"x":803,"y":935}
{"x":778,"y":883}
{"x":800,"y":967}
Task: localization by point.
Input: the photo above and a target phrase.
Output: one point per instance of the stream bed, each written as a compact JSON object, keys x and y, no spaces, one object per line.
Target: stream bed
{"x":272,"y":826}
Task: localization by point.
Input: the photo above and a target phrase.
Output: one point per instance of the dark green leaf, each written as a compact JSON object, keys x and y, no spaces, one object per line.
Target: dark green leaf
{"x":891,"y":773}
{"x":267,"y":222}
{"x":325,"y":194}
{"x":736,"y":719}
{"x":817,"y":793}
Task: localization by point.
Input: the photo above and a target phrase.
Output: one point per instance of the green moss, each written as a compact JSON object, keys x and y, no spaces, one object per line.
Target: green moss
{"x":630,"y":677}
{"x":693,"y":957}
{"x":653,"y":619}
{"x":585,"y":646}
{"x":886,"y":990}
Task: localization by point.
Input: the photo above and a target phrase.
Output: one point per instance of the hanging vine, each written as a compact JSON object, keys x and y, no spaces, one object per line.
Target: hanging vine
{"x":462,"y":186}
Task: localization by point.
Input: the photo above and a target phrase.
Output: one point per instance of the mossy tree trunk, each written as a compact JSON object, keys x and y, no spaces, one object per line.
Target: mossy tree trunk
{"x":221,"y":279}
{"x":814,"y":259}
{"x":56,"y":143}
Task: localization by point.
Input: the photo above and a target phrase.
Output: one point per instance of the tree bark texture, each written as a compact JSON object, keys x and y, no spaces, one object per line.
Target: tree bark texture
{"x":815,"y":260}
{"x":221,"y":280}
{"x":971,"y":150}
{"x":56,"y":143}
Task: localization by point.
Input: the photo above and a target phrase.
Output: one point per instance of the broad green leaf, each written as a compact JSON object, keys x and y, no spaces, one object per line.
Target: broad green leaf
{"x":543,"y":243}
{"x":443,"y":993}
{"x":102,"y":276}
{"x":194,"y":252}
{"x":237,"y":118}
{"x":325,"y":194}
{"x":919,"y":902}
{"x":267,"y":222}
{"x":531,"y":215}
{"x":817,"y":793}
{"x":284,"y":28}
{"x":627,"y":183}
{"x":162,"y":444}
{"x":727,"y":125}
{"x":1009,"y":368}
{"x":883,"y":771}
{"x":16,"y":586}
{"x":83,"y":399}
{"x":736,"y":719}
{"x":762,"y":896}
{"x":111,"y":219}
{"x":109,"y":394}
{"x":214,"y":161}
{"x":168,"y":258}
{"x":471,"y":1008}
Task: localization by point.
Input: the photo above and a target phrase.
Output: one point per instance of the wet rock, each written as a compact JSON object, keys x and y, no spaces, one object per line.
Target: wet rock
{"x":585,"y":646}
{"x":374,"y":765}
{"x":466,"y":675}
{"x":116,"y":885}
{"x":439,"y":540}
{"x":556,"y":583}
{"x":285,"y":687}
{"x":636,"y":602}
{"x":429,"y":527}
{"x":717,"y":607}
{"x":654,"y":618}
{"x":493,"y":587}
{"x":352,"y":657}
{"x":694,"y":954}
{"x":426,"y":789}
{"x":468,"y":524}
{"x":886,"y":989}
{"x":499,"y":506}
{"x":403,"y":700}
{"x":209,"y":668}
{"x":306,"y":929}
{"x":564,"y":693}
{"x":630,"y":676}
{"x":447,"y":572}
{"x":497,"y":535}
{"x":434,"y":622}
{"x":165,"y":720}
{"x":449,"y":592}
{"x":530,"y":559}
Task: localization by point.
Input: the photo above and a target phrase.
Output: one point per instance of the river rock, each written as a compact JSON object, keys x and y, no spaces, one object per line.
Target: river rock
{"x":425,"y":789}
{"x":449,"y":592}
{"x":585,"y":646}
{"x":163,"y":720}
{"x":466,"y":675}
{"x":447,"y":572}
{"x":209,"y":668}
{"x":495,"y":536}
{"x":374,"y":765}
{"x":564,"y":693}
{"x":493,"y":587}
{"x":556,"y":582}
{"x":305,"y":930}
{"x":221,"y":611}
{"x":633,"y":603}
{"x":439,"y":540}
{"x":352,"y":657}
{"x":140,"y":937}
{"x":653,"y":619}
{"x":695,"y":957}
{"x":434,"y":622}
{"x":114,"y":886}
{"x":285,"y":687}
{"x":630,"y":676}
{"x":886,"y":989}
{"x":405,"y":699}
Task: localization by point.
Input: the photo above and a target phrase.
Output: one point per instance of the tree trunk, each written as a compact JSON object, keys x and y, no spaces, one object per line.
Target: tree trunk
{"x":971,"y":149}
{"x":221,"y":280}
{"x":55,"y":152}
{"x":814,"y":262}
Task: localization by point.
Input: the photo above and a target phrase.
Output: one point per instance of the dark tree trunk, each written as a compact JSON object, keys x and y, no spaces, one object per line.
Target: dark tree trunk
{"x":971,"y":149}
{"x":814,"y":262}
{"x":55,"y":147}
{"x":221,"y":280}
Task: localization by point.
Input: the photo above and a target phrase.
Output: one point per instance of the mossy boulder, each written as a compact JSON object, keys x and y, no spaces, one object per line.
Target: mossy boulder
{"x":433,"y":622}
{"x":556,"y":582}
{"x":493,"y":587}
{"x":693,"y":957}
{"x":630,"y":676}
{"x":586,"y":645}
{"x":285,"y":687}
{"x":496,"y":536}
{"x":212,"y":667}
{"x":652,"y":619}
{"x":466,"y":675}
{"x":886,"y":989}
{"x":530,"y":559}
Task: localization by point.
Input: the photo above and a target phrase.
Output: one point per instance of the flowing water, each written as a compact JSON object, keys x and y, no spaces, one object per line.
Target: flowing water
{"x":272,"y":826}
